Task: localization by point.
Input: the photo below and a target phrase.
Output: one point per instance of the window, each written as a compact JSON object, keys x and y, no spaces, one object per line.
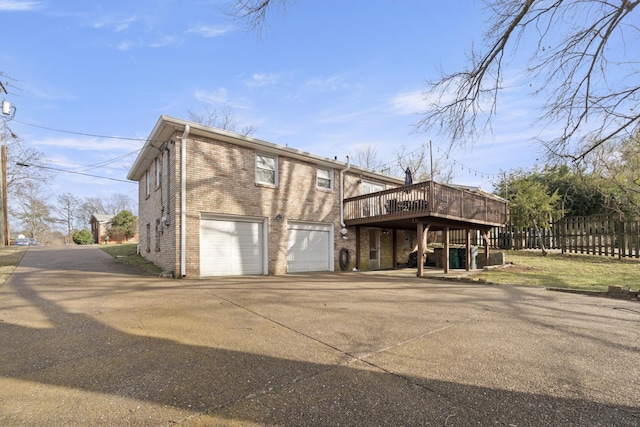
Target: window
{"x":266,"y":169}
{"x":148,"y":238}
{"x":158,"y":171}
{"x":325,"y":179}
{"x":408,"y":243}
{"x":371,"y":187}
{"x":370,"y":206}
{"x":158,"y":234}
{"x":147,"y":183}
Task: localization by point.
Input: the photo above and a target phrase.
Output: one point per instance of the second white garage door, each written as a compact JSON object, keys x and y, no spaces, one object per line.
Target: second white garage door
{"x":309,"y":247}
{"x":231,"y":247}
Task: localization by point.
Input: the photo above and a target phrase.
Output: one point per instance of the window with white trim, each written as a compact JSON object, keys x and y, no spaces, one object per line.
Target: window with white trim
{"x":266,"y":169}
{"x":147,"y":183}
{"x":158,"y":171}
{"x":325,"y":179}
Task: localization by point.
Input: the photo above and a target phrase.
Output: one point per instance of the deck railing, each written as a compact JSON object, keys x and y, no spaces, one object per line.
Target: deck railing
{"x":426,"y":199}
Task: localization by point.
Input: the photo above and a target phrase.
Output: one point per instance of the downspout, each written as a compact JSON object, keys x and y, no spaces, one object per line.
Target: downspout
{"x":183,"y":202}
{"x":343,"y":230}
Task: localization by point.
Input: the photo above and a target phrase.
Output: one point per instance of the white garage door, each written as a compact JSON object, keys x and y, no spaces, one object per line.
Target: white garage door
{"x":309,"y":248}
{"x":231,"y":247}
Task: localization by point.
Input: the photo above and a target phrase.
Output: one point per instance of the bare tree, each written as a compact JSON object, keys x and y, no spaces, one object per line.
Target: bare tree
{"x":617,"y":167}
{"x":254,"y":12}
{"x":578,"y":44}
{"x":419,"y":162}
{"x":117,"y":203}
{"x":366,"y":157}
{"x":19,"y":154}
{"x":112,"y":205}
{"x":222,"y":119}
{"x":93,"y":205}
{"x":34,"y":211}
{"x":68,"y":212}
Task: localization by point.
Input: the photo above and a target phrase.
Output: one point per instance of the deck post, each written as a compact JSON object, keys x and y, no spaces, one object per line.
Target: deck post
{"x":468,"y":249}
{"x":420,"y":254}
{"x":395,"y":248}
{"x":485,"y":238}
{"x":446,"y":250}
{"x":357,"y":247}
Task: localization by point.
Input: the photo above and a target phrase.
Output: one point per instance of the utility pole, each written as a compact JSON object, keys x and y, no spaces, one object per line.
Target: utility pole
{"x":7,"y":109}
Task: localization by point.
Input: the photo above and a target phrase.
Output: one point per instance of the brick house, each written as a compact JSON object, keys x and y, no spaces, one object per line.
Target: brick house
{"x":250,"y":206}
{"x":99,"y":225}
{"x":212,"y":203}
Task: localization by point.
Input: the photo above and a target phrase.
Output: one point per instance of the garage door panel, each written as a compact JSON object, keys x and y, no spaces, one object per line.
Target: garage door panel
{"x":308,"y":248}
{"x":230,"y":248}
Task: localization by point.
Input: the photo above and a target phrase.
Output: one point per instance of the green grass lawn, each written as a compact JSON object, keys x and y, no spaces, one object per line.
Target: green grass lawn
{"x":127,"y":253}
{"x":586,"y":272}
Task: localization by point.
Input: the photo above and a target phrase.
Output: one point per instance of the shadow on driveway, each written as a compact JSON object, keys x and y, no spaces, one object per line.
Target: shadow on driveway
{"x":87,"y":341}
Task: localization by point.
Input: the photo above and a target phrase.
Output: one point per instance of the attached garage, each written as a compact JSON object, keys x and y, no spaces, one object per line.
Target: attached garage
{"x":232,"y":246}
{"x":309,"y":247}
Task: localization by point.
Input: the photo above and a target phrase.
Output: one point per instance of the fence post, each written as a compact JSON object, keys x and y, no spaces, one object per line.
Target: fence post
{"x":621,"y":248}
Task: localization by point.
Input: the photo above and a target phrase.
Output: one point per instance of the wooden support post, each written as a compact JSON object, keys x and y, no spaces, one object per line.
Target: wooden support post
{"x":395,"y":248}
{"x":357,"y":247}
{"x":485,"y":237}
{"x":420,"y":254}
{"x":468,"y":249}
{"x":446,"y":250}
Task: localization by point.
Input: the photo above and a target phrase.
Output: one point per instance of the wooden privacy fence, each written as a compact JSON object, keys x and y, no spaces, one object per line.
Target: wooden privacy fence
{"x":597,"y":235}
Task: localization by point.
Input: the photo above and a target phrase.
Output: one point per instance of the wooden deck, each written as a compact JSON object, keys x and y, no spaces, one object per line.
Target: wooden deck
{"x":438,"y":205}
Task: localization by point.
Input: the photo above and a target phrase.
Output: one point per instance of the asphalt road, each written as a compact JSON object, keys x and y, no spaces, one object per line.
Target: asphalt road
{"x":85,"y":340}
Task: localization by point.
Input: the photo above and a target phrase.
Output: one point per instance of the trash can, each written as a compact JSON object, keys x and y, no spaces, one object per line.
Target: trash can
{"x":473,"y":255}
{"x":462,"y":254}
{"x":454,"y":258}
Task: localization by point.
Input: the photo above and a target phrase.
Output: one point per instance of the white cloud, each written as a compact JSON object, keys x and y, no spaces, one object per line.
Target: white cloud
{"x":210,"y":31}
{"x":164,"y":41}
{"x":19,"y":6}
{"x":117,"y":25}
{"x":218,"y":96}
{"x":260,"y":79}
{"x":125,"y":45}
{"x":332,"y":83}
{"x":408,"y":102}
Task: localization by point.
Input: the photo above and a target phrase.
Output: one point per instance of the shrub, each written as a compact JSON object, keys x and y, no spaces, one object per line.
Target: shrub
{"x":82,"y":237}
{"x":123,"y":226}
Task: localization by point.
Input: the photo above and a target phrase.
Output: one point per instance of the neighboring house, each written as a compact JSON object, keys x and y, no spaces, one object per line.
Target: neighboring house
{"x":212,"y":202}
{"x":99,"y":225}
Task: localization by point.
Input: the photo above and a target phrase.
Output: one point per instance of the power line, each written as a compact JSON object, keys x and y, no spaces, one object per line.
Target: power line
{"x":73,"y":172}
{"x":124,"y":138}
{"x":382,"y":167}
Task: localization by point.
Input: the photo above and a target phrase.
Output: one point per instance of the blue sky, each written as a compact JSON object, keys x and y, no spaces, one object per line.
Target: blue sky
{"x":325,"y":77}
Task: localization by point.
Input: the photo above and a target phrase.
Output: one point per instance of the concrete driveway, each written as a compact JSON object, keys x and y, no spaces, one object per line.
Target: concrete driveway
{"x":85,"y":340}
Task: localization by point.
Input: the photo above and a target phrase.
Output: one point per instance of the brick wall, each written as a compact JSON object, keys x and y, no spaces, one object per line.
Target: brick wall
{"x":221,"y":180}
